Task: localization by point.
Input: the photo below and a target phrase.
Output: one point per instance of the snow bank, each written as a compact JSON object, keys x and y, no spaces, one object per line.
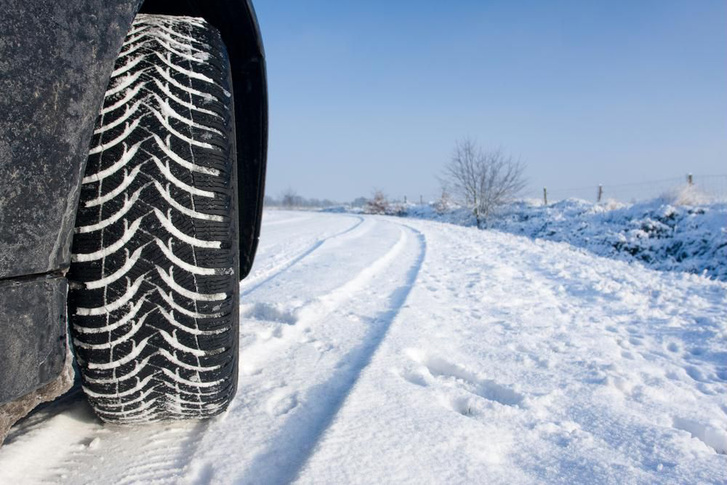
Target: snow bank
{"x":658,"y":233}
{"x":677,"y":232}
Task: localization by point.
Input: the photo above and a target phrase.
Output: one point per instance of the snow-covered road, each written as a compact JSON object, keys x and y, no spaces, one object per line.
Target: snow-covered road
{"x":382,"y":350}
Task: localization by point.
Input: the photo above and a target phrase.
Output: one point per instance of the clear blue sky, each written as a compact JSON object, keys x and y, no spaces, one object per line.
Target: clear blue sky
{"x":375,"y":93}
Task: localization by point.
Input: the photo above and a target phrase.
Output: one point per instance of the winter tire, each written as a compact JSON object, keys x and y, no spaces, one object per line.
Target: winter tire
{"x":154,"y":276}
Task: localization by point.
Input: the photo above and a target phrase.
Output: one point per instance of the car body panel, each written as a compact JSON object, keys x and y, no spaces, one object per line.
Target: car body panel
{"x":33,"y":342}
{"x":55,"y":60}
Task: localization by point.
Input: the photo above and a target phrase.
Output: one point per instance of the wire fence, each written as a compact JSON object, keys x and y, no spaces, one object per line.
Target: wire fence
{"x":420,"y":199}
{"x":710,"y":187}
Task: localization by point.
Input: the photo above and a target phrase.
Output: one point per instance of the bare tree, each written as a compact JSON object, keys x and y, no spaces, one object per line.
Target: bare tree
{"x":482,"y":180}
{"x":379,"y":204}
{"x":290,"y":198}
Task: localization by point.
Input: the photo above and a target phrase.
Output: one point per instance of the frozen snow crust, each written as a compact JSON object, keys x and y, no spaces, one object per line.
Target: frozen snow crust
{"x":661,"y":234}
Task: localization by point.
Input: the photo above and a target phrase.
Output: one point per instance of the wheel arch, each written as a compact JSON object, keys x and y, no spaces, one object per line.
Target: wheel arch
{"x":237,"y":22}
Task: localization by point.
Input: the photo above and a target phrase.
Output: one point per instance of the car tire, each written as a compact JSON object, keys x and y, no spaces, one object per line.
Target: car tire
{"x":154,"y":279}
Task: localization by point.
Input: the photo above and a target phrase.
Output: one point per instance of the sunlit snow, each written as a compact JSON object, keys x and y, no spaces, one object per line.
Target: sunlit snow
{"x":393,"y":350}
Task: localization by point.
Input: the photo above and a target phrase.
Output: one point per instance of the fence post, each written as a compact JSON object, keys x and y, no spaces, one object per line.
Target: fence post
{"x":690,"y":179}
{"x":421,"y":200}
{"x":545,"y":196}
{"x":405,"y":199}
{"x":600,"y":192}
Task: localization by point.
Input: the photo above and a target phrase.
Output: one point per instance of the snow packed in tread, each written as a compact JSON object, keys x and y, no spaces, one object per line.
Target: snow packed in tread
{"x":154,"y":304}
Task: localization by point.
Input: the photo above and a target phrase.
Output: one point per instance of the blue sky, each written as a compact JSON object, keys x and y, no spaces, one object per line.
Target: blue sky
{"x":375,"y":94}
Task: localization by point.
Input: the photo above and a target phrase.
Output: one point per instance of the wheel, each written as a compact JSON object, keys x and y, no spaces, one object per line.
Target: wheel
{"x":153,"y":302}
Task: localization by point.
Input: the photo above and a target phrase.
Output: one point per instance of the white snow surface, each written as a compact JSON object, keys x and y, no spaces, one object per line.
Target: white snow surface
{"x":389,"y":350}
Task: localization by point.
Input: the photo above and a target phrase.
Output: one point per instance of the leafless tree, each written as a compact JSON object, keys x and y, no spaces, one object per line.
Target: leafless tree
{"x":290,"y":199}
{"x":482,"y":180}
{"x":378,"y":204}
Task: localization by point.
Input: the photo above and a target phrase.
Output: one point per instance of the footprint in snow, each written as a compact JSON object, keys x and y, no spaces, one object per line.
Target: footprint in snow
{"x":712,"y":436}
{"x":414,"y":377}
{"x":454,"y":375}
{"x":463,"y":405}
{"x":636,"y":341}
{"x":281,"y":403}
{"x":695,"y":373}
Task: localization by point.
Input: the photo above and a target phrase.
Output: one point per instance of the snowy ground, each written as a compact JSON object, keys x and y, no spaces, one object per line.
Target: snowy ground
{"x":389,"y":350}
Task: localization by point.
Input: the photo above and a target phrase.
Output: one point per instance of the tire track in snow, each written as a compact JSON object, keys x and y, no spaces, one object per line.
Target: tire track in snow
{"x":166,"y":454}
{"x":259,"y":355}
{"x":157,"y":454}
{"x":254,"y":283}
{"x":296,"y":441}
{"x":73,"y":441}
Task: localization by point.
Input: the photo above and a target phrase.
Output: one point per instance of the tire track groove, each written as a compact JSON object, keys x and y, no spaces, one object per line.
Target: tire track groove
{"x":286,"y":265}
{"x":297,"y":439}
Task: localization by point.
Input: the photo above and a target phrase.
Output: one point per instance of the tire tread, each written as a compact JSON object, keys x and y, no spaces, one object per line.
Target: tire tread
{"x":154,"y":297}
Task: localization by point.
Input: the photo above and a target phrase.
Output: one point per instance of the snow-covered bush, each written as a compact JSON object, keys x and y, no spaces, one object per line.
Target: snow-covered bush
{"x":661,"y":235}
{"x":378,"y":204}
